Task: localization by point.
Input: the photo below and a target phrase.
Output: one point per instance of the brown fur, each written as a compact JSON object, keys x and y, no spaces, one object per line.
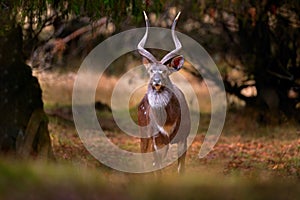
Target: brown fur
{"x":171,"y":125}
{"x":173,"y":116}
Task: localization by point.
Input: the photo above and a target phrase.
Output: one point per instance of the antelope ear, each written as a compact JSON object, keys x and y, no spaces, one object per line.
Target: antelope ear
{"x":177,"y":62}
{"x":146,"y":63}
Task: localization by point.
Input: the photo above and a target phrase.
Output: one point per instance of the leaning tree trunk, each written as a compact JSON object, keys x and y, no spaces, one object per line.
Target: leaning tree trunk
{"x":23,"y":122}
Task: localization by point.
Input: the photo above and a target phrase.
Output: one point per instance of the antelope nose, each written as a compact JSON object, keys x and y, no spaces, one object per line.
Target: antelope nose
{"x":156,"y":81}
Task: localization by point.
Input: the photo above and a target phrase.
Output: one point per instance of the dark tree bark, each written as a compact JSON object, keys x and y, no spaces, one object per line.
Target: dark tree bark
{"x":23,"y":122}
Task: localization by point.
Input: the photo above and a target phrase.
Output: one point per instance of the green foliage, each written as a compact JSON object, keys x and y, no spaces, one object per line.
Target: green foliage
{"x":34,"y":12}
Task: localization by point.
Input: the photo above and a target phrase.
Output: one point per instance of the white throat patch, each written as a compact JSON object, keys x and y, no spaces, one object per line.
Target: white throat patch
{"x":159,"y":99}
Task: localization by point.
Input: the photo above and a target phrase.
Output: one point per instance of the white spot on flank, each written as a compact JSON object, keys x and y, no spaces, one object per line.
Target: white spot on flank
{"x":145,"y":113}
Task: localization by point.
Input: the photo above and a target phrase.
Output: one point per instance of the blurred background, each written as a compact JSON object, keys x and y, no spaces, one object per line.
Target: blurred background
{"x":256,"y":47}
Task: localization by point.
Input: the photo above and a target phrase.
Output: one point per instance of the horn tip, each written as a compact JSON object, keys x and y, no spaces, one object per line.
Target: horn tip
{"x":145,"y":15}
{"x":177,"y":16}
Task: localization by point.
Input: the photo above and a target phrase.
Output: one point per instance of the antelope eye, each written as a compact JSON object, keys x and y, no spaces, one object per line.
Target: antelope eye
{"x":163,"y":71}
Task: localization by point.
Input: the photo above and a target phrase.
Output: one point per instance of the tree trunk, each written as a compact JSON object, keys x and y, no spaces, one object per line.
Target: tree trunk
{"x":23,"y":122}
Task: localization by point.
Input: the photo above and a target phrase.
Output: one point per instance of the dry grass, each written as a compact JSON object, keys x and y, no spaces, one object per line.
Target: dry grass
{"x":275,"y":153}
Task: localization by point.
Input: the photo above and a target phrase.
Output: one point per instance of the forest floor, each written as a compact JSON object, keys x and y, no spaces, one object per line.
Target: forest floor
{"x":249,"y":161}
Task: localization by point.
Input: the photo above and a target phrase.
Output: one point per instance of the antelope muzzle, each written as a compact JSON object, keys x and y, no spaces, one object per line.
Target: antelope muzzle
{"x":157,"y":83}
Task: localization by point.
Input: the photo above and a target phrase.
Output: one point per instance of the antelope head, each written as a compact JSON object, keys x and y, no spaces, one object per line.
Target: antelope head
{"x":159,"y":71}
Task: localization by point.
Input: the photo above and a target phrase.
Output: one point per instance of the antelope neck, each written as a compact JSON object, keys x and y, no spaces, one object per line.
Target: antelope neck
{"x":159,"y":98}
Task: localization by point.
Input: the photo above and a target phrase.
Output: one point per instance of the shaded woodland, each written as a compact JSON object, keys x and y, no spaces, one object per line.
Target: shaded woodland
{"x":255,"y":44}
